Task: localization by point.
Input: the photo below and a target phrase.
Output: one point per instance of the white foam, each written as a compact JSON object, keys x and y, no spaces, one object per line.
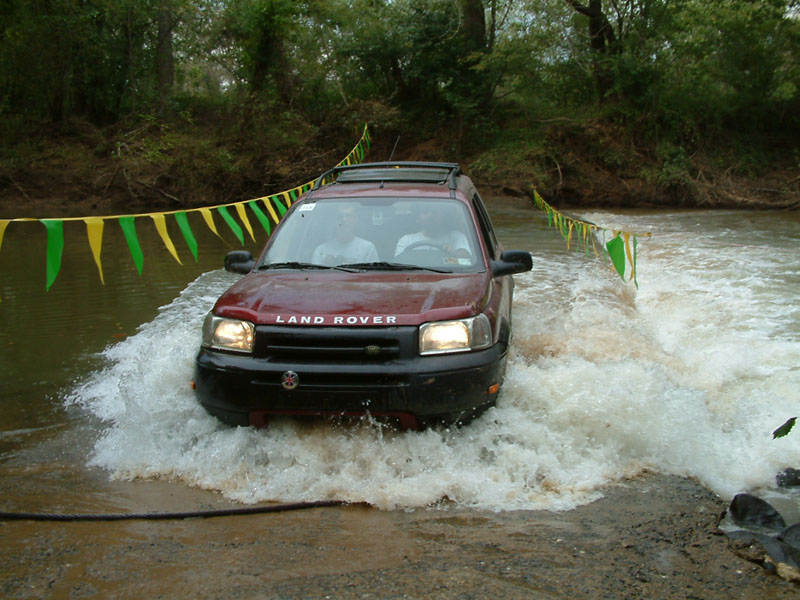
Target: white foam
{"x":688,"y":375}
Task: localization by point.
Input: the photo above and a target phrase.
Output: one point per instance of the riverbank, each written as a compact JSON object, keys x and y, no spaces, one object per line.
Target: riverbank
{"x":653,"y":536}
{"x":76,"y":169}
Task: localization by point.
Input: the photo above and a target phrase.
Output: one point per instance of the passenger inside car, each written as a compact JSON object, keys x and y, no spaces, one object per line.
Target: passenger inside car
{"x":345,"y":247}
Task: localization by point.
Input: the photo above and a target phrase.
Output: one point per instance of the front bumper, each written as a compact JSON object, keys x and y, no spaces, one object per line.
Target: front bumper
{"x":243,"y":390}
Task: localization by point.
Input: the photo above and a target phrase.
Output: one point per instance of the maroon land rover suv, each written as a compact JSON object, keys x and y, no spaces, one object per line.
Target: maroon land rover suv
{"x":383,"y":291}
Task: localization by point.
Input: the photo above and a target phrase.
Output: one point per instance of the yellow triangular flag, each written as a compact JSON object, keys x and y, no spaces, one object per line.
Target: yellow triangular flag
{"x":161,"y":227}
{"x":569,"y":235}
{"x":271,"y":210}
{"x":208,"y":217}
{"x":3,"y":224}
{"x":245,"y":221}
{"x":94,"y":231}
{"x":627,"y":237}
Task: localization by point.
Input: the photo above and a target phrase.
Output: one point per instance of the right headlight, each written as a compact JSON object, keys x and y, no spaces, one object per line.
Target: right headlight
{"x":462,"y":335}
{"x":228,"y":334}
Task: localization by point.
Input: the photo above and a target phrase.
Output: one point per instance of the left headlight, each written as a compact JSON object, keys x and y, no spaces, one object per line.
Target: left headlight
{"x":455,"y":336}
{"x":228,"y":334}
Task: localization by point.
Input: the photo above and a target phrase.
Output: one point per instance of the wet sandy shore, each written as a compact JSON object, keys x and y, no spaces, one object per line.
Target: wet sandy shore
{"x":651,"y":537}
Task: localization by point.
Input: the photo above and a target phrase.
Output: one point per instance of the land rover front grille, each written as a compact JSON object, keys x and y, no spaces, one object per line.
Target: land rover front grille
{"x":335,"y":344}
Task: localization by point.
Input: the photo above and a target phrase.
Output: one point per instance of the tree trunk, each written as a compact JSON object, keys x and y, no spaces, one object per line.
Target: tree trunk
{"x":601,"y":34}
{"x":602,"y":40}
{"x":474,"y":24}
{"x":270,"y":62}
{"x":492,"y":25}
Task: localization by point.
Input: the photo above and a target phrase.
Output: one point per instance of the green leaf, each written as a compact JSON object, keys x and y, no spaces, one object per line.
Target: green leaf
{"x":784,"y":429}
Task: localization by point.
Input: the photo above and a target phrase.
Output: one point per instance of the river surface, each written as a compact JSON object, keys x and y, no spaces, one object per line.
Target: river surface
{"x":688,"y":375}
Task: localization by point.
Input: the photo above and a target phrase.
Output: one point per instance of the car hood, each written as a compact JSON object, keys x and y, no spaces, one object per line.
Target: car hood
{"x":336,"y":298}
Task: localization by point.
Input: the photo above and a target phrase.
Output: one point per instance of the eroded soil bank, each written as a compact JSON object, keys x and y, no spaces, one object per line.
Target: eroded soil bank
{"x":651,"y":537}
{"x":76,"y":169}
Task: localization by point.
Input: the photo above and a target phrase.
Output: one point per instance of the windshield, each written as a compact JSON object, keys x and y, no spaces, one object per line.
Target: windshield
{"x":377,"y":234}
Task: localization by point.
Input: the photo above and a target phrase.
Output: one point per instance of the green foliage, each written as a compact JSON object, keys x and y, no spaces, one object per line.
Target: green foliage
{"x":259,"y":29}
{"x":519,"y":154}
{"x":676,"y":76}
{"x":66,"y":57}
{"x":415,"y":52}
{"x":674,"y":169}
{"x":732,"y":63}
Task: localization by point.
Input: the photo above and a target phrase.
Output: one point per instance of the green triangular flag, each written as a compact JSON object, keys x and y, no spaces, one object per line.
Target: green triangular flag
{"x":262,"y":218}
{"x":226,"y":216}
{"x":183,"y":224}
{"x":281,"y":208}
{"x":55,"y":247}
{"x":129,"y":230}
{"x":616,"y":251}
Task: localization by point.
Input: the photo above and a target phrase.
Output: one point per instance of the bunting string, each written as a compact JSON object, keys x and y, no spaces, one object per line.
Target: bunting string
{"x":620,"y":250}
{"x":268,"y":211}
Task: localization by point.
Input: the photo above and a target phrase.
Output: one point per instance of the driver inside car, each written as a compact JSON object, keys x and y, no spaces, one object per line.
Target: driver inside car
{"x":435,"y":230}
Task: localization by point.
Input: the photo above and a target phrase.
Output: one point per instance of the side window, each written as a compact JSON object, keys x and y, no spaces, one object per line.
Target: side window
{"x":487,"y":231}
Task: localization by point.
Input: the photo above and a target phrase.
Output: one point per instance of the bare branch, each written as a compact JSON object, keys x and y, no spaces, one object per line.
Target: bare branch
{"x":584,"y":10}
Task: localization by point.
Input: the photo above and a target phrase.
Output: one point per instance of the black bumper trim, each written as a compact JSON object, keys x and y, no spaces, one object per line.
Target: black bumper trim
{"x":232,"y":386}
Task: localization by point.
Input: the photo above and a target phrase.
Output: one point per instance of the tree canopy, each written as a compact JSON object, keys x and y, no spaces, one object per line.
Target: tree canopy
{"x":674,"y":72}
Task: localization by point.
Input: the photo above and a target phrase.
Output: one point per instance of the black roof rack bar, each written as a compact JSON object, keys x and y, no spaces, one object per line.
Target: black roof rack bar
{"x":453,"y":169}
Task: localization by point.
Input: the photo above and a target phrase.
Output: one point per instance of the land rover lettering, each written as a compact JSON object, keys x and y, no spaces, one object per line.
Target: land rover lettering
{"x":300,"y":320}
{"x":344,"y":320}
{"x":362,"y":320}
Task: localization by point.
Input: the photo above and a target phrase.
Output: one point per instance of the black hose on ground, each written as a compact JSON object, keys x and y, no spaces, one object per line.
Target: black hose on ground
{"x":195,"y":514}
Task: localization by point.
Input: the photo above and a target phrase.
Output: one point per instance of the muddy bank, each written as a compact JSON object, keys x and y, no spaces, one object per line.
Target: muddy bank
{"x":79,"y":170}
{"x":654,"y":536}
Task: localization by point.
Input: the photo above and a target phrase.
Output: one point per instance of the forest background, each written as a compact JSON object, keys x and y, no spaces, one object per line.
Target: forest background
{"x":115,"y":106}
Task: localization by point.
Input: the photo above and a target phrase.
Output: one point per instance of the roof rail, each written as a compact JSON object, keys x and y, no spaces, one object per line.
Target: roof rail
{"x":427,"y":172}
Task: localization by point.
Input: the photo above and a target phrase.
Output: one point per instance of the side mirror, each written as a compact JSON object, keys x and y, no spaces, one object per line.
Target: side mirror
{"x":512,"y":261}
{"x":239,"y":261}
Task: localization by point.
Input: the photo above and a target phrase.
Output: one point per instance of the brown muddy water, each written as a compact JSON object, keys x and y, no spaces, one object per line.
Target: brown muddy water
{"x":628,"y":419}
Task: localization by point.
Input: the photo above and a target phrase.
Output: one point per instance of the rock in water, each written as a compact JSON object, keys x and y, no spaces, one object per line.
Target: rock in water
{"x":791,"y":535}
{"x":747,"y":510}
{"x":755,"y":547}
{"x":788,"y":478}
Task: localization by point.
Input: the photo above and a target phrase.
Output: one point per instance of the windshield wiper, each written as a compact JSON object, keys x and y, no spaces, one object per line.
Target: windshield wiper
{"x":303,"y":265}
{"x":390,"y":266}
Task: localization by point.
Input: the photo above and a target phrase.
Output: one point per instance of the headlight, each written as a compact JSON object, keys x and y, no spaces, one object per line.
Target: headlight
{"x":455,"y":336}
{"x":228,"y":334}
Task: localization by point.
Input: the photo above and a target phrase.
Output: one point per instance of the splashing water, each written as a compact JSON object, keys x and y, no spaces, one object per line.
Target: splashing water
{"x":687,"y":375}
